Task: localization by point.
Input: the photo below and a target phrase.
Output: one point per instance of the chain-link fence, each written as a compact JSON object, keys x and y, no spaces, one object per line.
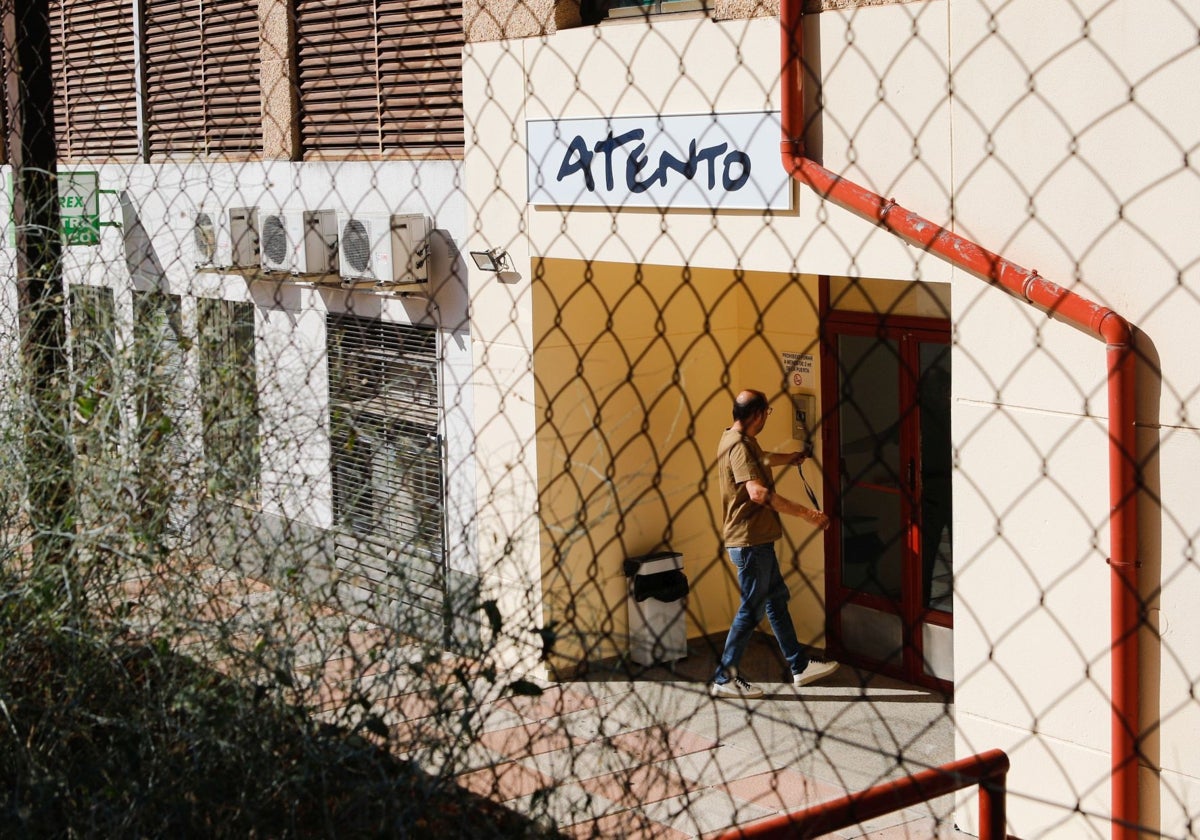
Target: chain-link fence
{"x":365,"y":472}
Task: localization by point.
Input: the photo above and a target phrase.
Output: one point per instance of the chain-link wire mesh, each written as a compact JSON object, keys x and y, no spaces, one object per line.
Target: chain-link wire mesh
{"x":361,"y":470}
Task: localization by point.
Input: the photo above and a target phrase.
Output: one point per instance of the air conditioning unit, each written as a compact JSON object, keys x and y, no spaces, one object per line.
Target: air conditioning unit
{"x":386,"y":249}
{"x":299,"y":241}
{"x":225,"y":237}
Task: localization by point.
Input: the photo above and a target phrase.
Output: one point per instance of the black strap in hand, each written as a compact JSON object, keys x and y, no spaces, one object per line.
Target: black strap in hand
{"x":812,"y":497}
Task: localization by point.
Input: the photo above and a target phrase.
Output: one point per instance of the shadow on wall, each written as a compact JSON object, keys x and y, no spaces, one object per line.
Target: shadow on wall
{"x":444,"y":298}
{"x":141,"y":259}
{"x":450,"y":289}
{"x":1150,"y":576}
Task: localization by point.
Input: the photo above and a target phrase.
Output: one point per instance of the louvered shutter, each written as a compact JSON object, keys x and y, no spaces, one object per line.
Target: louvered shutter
{"x":420,"y":71}
{"x":339,"y":96}
{"x":380,"y":77}
{"x":387,"y":469}
{"x":92,"y":49}
{"x":202,"y":77}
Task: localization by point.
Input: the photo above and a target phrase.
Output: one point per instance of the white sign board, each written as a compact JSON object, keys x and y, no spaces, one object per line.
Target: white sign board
{"x":701,"y":161}
{"x":798,"y":368}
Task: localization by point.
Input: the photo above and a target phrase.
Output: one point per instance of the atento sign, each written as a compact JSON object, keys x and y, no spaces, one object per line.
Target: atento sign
{"x":709,"y":161}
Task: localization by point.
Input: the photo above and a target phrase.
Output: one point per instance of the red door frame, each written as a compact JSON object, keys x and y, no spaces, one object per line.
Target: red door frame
{"x":909,"y":332}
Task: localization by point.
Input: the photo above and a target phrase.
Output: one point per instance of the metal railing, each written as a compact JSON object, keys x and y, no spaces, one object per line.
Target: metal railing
{"x":987,"y":769}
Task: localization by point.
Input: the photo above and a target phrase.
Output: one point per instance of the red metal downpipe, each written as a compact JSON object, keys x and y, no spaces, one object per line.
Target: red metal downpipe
{"x":1063,"y":305}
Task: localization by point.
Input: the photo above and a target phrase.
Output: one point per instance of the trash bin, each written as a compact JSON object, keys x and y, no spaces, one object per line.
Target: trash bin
{"x":658,"y":591}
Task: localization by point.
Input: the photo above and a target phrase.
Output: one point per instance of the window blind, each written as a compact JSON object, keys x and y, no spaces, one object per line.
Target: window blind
{"x":387,"y":466}
{"x":382,"y":76}
{"x":95,"y":93}
{"x":202,"y":77}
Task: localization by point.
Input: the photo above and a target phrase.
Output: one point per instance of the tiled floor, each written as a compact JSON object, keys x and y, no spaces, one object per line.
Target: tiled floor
{"x":614,"y":754}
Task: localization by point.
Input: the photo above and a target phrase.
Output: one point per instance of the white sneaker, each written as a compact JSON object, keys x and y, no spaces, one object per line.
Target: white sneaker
{"x":736,"y":687}
{"x":815,"y":671}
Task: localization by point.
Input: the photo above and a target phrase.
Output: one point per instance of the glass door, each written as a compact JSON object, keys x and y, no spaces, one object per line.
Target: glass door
{"x":888,"y":454}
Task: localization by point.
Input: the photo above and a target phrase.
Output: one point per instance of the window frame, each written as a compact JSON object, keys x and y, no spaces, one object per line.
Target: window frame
{"x":658,"y":7}
{"x":226,"y":344}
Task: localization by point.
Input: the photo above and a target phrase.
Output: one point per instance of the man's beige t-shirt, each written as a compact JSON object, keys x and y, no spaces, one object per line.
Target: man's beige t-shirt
{"x":739,"y":459}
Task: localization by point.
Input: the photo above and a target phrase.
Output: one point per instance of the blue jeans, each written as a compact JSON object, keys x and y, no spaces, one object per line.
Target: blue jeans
{"x":763,"y":592}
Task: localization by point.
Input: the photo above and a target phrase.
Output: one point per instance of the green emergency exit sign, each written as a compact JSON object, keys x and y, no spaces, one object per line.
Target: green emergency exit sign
{"x":79,"y":207}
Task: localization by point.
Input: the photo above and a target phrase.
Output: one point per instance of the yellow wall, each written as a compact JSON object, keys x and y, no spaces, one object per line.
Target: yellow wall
{"x":635,"y":369}
{"x":864,"y":294}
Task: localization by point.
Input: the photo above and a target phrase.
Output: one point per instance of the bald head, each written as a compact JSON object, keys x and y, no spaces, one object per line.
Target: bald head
{"x":747,"y":404}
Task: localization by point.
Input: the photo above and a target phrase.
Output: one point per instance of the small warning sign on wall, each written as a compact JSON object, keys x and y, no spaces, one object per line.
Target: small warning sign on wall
{"x":798,"y":370}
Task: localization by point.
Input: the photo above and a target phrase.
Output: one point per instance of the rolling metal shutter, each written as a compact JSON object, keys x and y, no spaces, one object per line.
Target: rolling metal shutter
{"x":387,"y":471}
{"x":202,"y":77}
{"x":381,"y":76}
{"x":95,"y":93}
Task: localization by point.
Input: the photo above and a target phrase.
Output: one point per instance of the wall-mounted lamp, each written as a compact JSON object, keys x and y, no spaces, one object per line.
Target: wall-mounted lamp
{"x":493,"y":260}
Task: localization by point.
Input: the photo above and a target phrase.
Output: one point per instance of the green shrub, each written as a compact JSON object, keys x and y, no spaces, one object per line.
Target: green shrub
{"x":121,"y":738}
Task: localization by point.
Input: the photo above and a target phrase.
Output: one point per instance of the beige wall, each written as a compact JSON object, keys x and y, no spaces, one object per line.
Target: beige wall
{"x":722,"y":66}
{"x":1090,"y":133}
{"x":1071,"y":155}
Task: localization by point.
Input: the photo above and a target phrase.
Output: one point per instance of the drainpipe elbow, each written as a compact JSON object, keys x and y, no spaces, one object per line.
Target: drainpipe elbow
{"x":1115,"y":330}
{"x":791,"y":152}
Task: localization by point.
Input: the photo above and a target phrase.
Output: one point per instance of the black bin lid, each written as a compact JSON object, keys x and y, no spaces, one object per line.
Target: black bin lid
{"x":633,"y":565}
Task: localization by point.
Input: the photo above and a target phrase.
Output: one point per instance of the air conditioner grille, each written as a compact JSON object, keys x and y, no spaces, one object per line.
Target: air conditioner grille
{"x":274,"y":240}
{"x":356,"y":245}
{"x":205,"y":233}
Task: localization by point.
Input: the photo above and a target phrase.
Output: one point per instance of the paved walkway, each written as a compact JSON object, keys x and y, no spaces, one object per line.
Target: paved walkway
{"x":655,"y":756}
{"x":610,"y":755}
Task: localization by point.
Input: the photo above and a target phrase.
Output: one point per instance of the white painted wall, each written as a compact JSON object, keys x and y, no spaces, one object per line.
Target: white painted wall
{"x":153,"y":250}
{"x":501,"y":331}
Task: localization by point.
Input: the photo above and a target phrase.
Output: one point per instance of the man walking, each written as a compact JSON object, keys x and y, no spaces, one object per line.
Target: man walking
{"x":751,"y":527}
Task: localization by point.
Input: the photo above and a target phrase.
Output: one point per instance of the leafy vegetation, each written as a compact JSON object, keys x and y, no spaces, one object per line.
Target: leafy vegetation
{"x":103,"y":737}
